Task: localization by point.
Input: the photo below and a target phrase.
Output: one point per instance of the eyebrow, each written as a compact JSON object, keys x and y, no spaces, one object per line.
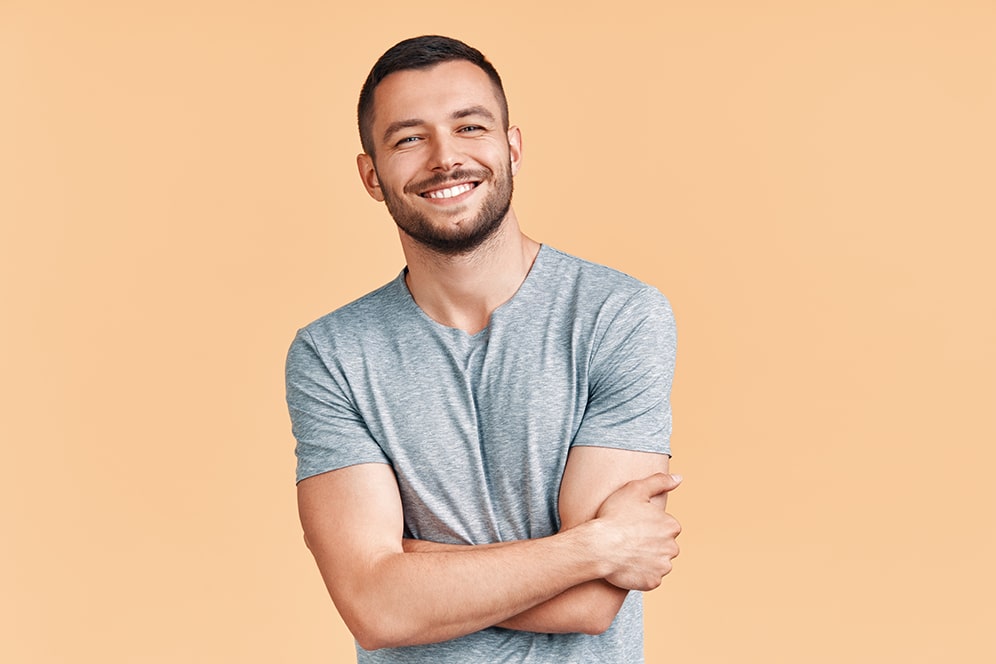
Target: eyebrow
{"x":397,"y":126}
{"x":473,"y":110}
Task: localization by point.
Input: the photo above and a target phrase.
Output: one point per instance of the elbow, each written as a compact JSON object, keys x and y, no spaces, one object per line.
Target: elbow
{"x":369,"y":641}
{"x":597,"y":628}
{"x":379,"y":637}
{"x":377,"y":628}
{"x":580,"y":615}
{"x":597,"y":620}
{"x":376,"y":637}
{"x":597,"y":609}
{"x":374,"y":631}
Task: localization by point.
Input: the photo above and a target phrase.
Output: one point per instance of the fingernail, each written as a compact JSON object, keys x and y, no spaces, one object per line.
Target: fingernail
{"x":676,"y":478}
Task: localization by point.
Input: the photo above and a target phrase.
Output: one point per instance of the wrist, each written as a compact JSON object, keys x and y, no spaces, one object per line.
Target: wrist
{"x":589,"y":540}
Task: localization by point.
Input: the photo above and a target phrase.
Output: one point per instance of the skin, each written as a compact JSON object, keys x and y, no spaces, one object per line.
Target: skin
{"x":467,"y":145}
{"x":434,"y":129}
{"x":470,"y":229}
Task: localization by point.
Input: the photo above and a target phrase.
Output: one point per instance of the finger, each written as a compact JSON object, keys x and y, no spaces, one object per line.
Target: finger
{"x":657,"y":484}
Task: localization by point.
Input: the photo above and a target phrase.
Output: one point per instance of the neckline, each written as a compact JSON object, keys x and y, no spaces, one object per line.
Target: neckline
{"x":500,"y":310}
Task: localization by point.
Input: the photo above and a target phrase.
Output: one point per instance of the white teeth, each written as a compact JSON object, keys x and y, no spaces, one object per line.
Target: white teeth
{"x":451,"y":192}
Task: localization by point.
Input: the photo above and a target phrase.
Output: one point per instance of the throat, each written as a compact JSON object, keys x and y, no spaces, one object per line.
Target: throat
{"x":464,"y":294}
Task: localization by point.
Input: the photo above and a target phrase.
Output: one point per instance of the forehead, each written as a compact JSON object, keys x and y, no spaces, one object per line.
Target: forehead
{"x":432,"y":93}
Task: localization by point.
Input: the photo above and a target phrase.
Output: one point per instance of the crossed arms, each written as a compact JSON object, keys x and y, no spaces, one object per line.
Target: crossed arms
{"x":391,"y":592}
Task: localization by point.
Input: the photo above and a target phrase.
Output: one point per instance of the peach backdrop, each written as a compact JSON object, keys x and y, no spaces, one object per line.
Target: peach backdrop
{"x":812,"y":184}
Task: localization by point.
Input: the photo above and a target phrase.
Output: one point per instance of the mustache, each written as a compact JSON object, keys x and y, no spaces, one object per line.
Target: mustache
{"x":442,"y":179}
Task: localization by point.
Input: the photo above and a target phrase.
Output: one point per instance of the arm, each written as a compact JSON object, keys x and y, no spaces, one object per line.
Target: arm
{"x":352,"y":520}
{"x":628,"y":409}
{"x":591,"y":475}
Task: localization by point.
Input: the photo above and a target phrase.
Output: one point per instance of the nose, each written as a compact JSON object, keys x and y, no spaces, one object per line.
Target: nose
{"x":445,"y":155}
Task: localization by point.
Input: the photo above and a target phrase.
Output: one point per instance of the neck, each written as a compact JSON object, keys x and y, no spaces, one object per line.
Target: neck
{"x":462,"y":291}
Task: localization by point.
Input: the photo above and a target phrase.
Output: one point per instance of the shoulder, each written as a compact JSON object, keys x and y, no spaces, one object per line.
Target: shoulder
{"x":346,"y":329}
{"x":602,"y":289}
{"x":364,"y":310}
{"x":369,"y":312}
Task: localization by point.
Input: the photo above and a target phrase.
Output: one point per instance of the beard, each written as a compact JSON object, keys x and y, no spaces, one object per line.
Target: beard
{"x":472,"y":232}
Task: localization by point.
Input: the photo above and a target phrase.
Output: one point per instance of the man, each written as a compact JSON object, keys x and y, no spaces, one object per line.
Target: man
{"x":483,"y":442}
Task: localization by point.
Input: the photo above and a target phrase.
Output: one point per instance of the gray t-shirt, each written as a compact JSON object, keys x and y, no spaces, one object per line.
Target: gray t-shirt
{"x":478,"y":427}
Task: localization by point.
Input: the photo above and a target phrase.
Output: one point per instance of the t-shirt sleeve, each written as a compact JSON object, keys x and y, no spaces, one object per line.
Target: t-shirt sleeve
{"x":330,"y":433}
{"x":632,"y":366}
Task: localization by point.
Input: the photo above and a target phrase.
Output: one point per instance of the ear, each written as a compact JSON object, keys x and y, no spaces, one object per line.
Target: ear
{"x":368,"y":175}
{"x":515,"y":148}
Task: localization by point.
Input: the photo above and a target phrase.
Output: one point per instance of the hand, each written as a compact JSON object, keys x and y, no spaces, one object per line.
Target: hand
{"x":641,"y":535}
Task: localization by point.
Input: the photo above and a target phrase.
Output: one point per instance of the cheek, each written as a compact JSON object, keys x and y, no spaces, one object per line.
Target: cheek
{"x":498,"y":155}
{"x":402,"y":169}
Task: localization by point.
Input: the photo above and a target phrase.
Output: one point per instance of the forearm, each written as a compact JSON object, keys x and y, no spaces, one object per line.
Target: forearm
{"x":424,"y":596}
{"x":589,"y":607}
{"x":392,"y":593}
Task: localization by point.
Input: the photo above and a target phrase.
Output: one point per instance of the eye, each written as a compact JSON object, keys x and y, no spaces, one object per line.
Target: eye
{"x":407,"y":140}
{"x":470,"y":129}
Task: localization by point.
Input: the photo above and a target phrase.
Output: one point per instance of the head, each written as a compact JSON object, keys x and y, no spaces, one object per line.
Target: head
{"x":438,"y":150}
{"x":420,"y":53}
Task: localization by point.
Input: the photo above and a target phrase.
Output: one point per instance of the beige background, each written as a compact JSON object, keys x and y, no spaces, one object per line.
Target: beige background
{"x":812,"y":185}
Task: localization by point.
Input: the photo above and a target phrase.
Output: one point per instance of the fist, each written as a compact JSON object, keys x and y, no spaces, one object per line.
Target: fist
{"x":641,"y":536}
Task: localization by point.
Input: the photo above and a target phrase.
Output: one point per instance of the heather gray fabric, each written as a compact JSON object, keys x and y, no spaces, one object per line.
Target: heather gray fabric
{"x":478,"y":428}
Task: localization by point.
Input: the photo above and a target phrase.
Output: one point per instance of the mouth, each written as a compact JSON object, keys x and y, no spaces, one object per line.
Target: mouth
{"x":450,"y":192}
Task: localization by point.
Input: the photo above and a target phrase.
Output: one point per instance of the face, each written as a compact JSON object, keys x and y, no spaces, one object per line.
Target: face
{"x":443,"y":161}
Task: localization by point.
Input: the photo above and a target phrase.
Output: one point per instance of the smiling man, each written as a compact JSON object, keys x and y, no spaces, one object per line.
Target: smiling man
{"x":483,"y":442}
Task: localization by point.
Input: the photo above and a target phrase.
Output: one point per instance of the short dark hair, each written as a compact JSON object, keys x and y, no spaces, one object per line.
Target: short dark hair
{"x":420,"y":53}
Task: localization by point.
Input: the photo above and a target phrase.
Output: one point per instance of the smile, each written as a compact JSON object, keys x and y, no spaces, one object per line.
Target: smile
{"x":450,"y":192}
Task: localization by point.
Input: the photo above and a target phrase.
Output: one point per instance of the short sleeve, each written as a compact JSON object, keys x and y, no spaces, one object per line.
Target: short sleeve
{"x":330,"y":432}
{"x":632,"y":366}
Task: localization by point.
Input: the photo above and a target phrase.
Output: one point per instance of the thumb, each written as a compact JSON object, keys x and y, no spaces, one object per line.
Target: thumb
{"x":658,"y":483}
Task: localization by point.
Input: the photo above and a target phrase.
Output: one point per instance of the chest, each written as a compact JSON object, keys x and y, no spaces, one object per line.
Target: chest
{"x":477,"y":428}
